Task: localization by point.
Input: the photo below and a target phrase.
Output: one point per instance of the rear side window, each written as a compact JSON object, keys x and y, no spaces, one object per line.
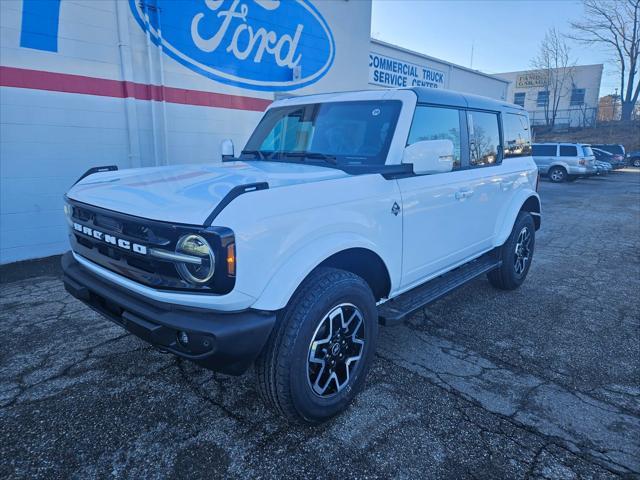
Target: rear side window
{"x":517,"y":137}
{"x":544,"y":150}
{"x":435,"y":123}
{"x":484,"y":138}
{"x":568,"y":151}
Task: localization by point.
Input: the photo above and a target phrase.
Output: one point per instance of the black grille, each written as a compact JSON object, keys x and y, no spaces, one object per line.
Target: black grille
{"x":141,"y":268}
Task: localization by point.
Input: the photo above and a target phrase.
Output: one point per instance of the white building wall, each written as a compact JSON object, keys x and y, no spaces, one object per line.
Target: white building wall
{"x":454,"y":77}
{"x":89,"y":101}
{"x":586,"y":77}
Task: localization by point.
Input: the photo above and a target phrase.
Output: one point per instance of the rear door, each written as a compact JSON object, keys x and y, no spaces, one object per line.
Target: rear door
{"x":487,"y":179}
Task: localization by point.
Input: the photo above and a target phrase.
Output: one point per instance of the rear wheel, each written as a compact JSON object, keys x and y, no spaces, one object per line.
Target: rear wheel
{"x":557,"y":174}
{"x":318,"y":355}
{"x":516,"y":254}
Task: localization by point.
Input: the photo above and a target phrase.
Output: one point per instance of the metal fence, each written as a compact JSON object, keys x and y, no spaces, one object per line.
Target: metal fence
{"x":566,"y":119}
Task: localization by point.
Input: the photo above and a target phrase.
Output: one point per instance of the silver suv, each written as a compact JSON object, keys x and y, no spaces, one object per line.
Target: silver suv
{"x":563,"y":162}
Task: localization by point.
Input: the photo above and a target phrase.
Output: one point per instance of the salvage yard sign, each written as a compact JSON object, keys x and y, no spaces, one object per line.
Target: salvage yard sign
{"x":391,"y":72}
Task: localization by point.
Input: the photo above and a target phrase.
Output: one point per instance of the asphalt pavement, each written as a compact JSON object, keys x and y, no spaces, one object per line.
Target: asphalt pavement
{"x":542,"y":382}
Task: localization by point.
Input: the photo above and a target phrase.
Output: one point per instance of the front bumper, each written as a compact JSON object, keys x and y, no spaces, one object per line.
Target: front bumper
{"x":224,"y":342}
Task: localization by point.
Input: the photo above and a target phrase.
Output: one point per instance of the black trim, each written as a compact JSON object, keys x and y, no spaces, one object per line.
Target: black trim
{"x":229,"y":197}
{"x":92,"y":170}
{"x":145,"y":269}
{"x":224,"y":342}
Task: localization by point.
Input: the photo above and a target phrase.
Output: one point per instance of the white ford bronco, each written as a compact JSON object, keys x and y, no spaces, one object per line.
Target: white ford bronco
{"x":343,"y":211}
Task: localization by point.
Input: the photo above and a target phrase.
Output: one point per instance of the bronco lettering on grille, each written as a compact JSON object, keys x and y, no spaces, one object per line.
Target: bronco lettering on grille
{"x":104,"y":237}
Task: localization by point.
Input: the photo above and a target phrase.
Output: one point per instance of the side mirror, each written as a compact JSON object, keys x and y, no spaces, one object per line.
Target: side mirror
{"x":430,"y":156}
{"x":226,"y":149}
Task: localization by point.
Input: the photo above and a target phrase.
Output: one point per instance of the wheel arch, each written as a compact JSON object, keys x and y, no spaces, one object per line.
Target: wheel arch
{"x":527,"y":202}
{"x":357,"y":257}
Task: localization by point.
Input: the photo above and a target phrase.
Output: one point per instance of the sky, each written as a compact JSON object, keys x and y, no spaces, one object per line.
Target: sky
{"x":505,"y":34}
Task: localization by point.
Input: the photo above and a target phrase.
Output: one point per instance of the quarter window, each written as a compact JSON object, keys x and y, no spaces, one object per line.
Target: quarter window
{"x":543,"y":98}
{"x":518,"y":98}
{"x":517,"y":137}
{"x":484,"y":138}
{"x":568,"y":151}
{"x":435,"y":123}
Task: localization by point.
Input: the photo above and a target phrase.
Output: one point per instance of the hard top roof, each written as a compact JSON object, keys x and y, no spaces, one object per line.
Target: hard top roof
{"x":440,"y":96}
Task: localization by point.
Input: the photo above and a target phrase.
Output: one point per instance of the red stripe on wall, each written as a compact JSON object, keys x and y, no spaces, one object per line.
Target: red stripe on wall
{"x":67,"y":83}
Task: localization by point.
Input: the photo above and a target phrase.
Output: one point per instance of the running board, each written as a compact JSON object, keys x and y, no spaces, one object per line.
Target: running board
{"x":396,"y":310}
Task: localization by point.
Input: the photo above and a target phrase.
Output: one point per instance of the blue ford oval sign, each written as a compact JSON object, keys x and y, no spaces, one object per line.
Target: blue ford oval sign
{"x":256,"y":44}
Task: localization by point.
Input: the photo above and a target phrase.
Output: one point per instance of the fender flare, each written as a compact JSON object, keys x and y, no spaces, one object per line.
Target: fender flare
{"x":510,"y":216}
{"x":288,"y":277}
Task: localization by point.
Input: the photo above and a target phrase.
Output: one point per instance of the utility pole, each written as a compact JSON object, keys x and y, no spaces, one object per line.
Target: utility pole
{"x":471,"y":62}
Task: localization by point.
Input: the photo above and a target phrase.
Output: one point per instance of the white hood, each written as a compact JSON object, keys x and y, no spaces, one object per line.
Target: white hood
{"x":187,"y":193}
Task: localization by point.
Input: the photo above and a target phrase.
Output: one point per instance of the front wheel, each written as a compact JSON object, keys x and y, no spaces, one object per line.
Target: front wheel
{"x":636,"y":162}
{"x":318,"y":355}
{"x":516,"y":254}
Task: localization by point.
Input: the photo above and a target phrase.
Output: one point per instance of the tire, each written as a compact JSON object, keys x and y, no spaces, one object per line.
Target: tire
{"x":636,"y":162}
{"x":294,"y":372}
{"x":515,"y":265}
{"x":557,"y":174}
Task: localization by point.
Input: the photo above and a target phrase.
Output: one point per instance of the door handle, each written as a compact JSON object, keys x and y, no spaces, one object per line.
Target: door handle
{"x":462,"y":194}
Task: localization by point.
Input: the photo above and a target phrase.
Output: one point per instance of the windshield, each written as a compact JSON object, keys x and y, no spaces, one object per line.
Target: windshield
{"x":340,"y":133}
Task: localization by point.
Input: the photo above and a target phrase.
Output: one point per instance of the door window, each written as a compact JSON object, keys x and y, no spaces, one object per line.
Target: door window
{"x":436,"y":123}
{"x":484,"y":138}
{"x":545,"y":150}
{"x":568,"y":151}
{"x":517,"y":138}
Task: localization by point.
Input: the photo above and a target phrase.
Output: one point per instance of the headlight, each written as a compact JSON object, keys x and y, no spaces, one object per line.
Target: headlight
{"x":196,"y":246}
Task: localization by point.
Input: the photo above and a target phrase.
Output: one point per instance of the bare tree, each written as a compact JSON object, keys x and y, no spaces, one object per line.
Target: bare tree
{"x":555,"y":69}
{"x":615,"y":25}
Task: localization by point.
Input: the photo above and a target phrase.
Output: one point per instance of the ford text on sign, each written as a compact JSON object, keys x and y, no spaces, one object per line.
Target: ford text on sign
{"x":390,"y":72}
{"x":256,"y":44}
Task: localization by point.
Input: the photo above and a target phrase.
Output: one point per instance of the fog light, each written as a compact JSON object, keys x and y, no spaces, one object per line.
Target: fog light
{"x":183,"y":338}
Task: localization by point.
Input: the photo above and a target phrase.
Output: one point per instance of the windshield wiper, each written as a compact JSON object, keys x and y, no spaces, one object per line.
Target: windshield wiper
{"x":313,"y":156}
{"x":322,"y":156}
{"x":256,"y":153}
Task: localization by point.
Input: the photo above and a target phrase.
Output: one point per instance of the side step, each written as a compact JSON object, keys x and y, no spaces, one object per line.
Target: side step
{"x":394,"y":311}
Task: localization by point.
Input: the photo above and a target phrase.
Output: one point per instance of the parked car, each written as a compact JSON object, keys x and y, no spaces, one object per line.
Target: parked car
{"x":613,"y":148}
{"x":342,"y":209}
{"x":603,"y":167}
{"x":615,"y":160}
{"x":562,"y":162}
{"x":634,"y":158}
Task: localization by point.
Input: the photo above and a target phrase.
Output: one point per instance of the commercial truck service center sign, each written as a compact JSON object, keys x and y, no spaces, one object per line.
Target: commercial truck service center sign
{"x":391,"y":72}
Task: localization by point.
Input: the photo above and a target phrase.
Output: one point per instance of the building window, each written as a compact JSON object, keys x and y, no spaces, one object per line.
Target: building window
{"x":543,"y":98}
{"x":577,"y":96}
{"x":518,"y":98}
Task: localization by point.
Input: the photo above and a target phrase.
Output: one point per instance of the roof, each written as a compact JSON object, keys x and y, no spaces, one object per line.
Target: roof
{"x":463,"y":100}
